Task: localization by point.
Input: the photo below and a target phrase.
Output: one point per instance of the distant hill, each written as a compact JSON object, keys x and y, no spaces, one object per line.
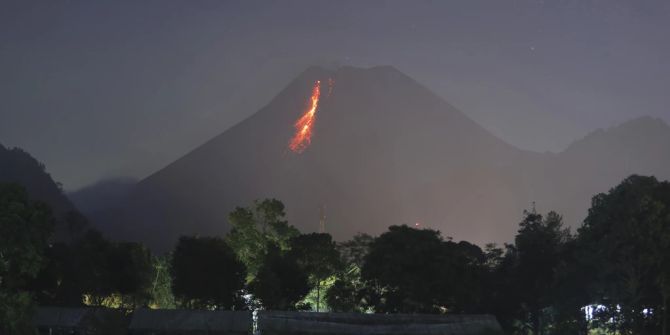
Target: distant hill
{"x":18,"y":166}
{"x":385,"y":150}
{"x":601,"y":160}
{"x":102,"y":195}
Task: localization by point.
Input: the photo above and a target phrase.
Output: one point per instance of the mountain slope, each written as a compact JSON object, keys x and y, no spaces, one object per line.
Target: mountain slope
{"x":18,"y":166}
{"x":385,"y":151}
{"x":102,"y":195}
{"x":605,"y":157}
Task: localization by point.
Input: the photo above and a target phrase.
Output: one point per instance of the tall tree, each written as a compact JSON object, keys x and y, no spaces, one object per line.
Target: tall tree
{"x":347,"y":292}
{"x":254,"y":227}
{"x":415,"y":271}
{"x":501,"y":287}
{"x":354,"y":251}
{"x":318,"y":257}
{"x":25,"y":228}
{"x":206,"y":274}
{"x":280,"y":282}
{"x":626,"y":242}
{"x":91,"y":273}
{"x":466,"y":275}
{"x":161,"y":285}
{"x":131,"y":272}
{"x":570,"y":292}
{"x":538,"y":248}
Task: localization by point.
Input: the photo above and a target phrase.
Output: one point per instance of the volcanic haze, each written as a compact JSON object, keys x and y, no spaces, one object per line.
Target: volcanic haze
{"x":384,"y":151}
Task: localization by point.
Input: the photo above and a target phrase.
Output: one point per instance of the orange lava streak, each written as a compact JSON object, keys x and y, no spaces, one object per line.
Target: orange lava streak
{"x":305,"y":124}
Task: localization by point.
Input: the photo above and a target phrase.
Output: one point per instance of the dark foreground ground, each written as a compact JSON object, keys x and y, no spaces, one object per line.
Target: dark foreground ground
{"x":89,"y":321}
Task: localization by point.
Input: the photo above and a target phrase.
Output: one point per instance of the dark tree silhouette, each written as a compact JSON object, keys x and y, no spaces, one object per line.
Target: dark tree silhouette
{"x":317,"y":256}
{"x":131,"y":273}
{"x":619,"y":259}
{"x":253,"y":228}
{"x":625,"y":241}
{"x":91,"y":273}
{"x":280,"y":282}
{"x":206,"y":274}
{"x":96,"y":269}
{"x":346,"y":293}
{"x":353,"y":252}
{"x":537,"y":254}
{"x":25,"y":227}
{"x":412,"y":271}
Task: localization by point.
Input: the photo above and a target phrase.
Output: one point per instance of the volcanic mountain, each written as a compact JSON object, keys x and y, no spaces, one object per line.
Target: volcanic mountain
{"x":384,"y":150}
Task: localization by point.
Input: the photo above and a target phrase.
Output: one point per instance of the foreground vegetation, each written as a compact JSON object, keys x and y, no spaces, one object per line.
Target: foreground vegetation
{"x":618,"y":260}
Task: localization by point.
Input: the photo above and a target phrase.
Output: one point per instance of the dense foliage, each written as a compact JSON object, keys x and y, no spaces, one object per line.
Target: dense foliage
{"x":25,"y":227}
{"x":612,"y":275}
{"x":318,"y":257}
{"x":94,"y":271}
{"x":280,"y":283}
{"x":256,"y":227}
{"x":207,"y":274}
{"x":625,"y":245}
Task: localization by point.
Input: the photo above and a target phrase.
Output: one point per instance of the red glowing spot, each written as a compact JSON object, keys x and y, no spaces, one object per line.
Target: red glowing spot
{"x":305,"y":124}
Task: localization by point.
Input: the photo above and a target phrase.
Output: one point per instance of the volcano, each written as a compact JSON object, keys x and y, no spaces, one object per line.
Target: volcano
{"x":383,"y":150}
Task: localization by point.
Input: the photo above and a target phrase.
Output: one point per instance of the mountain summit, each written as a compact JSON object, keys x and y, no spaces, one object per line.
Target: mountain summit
{"x":383,"y":150}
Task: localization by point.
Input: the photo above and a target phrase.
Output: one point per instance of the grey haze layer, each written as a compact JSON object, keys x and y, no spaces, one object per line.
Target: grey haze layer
{"x":386,"y":150}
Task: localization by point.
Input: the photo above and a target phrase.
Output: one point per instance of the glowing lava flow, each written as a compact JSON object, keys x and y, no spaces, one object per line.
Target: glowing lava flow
{"x":305,"y":124}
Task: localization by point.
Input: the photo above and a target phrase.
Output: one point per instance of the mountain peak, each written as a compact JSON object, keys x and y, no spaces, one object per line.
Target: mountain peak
{"x":631,"y":131}
{"x":380,"y":71}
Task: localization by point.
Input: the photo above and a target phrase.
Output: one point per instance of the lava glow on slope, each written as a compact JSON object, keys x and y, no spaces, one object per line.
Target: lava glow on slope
{"x":305,"y":124}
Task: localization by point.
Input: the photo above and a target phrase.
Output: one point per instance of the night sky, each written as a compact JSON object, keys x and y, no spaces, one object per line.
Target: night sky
{"x":99,"y":89}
